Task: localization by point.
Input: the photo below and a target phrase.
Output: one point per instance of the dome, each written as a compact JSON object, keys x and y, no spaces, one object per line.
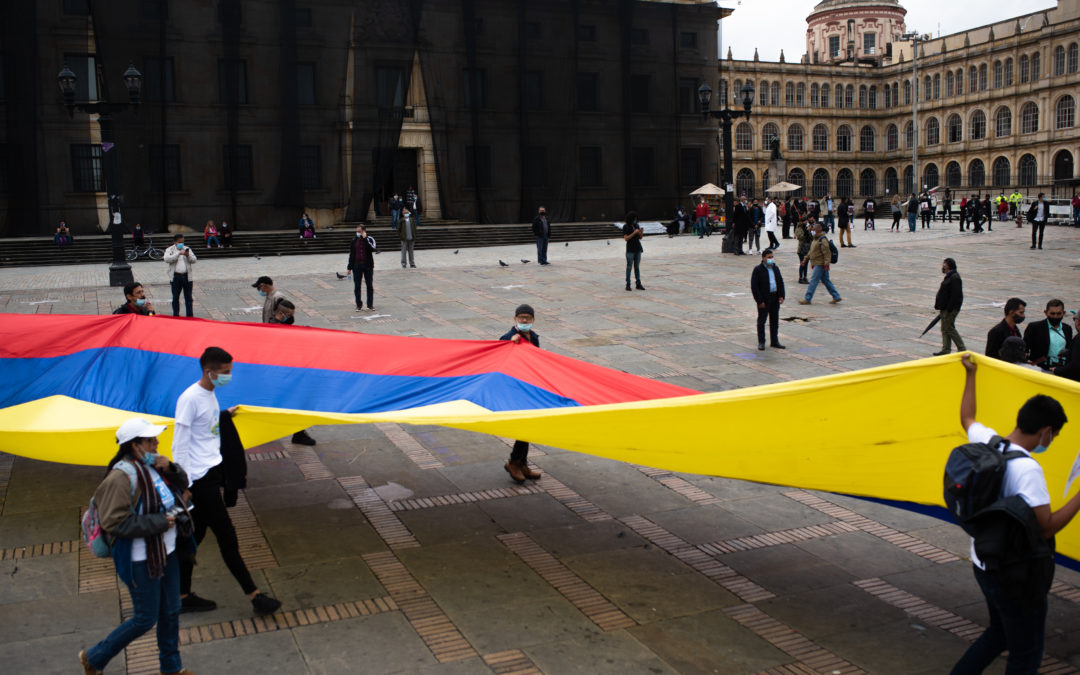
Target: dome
{"x":838,"y":4}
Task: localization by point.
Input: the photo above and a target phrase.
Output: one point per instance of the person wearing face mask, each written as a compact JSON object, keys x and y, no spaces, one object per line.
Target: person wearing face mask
{"x":197,"y":446}
{"x":741,"y":220}
{"x":950,"y":297}
{"x":1016,"y":602}
{"x":518,"y":464}
{"x":180,"y":258}
{"x":1046,"y":340}
{"x":284,"y":313}
{"x":541,"y":228}
{"x":136,"y":301}
{"x":767,"y":287}
{"x":1014,"y":315}
{"x":362,"y":266}
{"x":271,"y":296}
{"x":407,"y":233}
{"x":138,"y":504}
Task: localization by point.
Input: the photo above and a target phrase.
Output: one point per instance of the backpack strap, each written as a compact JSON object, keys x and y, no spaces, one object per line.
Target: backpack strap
{"x":1002,"y":446}
{"x":127,"y":468}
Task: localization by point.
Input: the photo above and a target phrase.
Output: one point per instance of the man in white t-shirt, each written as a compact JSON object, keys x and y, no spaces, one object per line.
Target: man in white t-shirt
{"x":1018,"y":628}
{"x":197,"y":447}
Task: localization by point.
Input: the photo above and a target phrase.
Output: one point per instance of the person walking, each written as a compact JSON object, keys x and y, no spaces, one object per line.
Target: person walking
{"x":805,"y":238}
{"x":1037,"y":215}
{"x":949,"y":299}
{"x":869,"y":205}
{"x":1076,"y":209}
{"x":770,"y":223}
{"x":988,"y":212}
{"x":180,"y":259}
{"x":897,"y":213}
{"x":701,"y":222}
{"x":767,"y":287}
{"x":541,"y":227}
{"x":975,"y":214}
{"x":632,"y":234}
{"x":819,"y":258}
{"x":407,"y":233}
{"x":362,"y":266}
{"x":518,"y":464}
{"x":843,"y":221}
{"x":912,"y":211}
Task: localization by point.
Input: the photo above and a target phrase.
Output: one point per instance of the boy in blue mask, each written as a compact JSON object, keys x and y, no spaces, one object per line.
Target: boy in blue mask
{"x":518,"y":464}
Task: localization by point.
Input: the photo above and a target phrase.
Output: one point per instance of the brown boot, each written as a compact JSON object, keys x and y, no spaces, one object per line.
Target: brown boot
{"x":87,"y":668}
{"x":528,"y":472}
{"x":514,"y":469}
{"x":185,"y":671}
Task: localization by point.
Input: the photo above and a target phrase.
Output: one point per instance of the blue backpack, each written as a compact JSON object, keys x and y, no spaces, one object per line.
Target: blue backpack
{"x":96,"y":539}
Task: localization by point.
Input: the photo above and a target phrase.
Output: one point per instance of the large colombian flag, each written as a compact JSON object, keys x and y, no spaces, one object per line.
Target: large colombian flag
{"x":67,"y":382}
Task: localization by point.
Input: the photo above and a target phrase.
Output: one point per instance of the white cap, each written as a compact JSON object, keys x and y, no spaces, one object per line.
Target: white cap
{"x":137,"y":427}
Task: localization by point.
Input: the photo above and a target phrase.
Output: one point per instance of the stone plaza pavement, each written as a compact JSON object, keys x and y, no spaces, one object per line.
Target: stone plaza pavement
{"x":407,"y":549}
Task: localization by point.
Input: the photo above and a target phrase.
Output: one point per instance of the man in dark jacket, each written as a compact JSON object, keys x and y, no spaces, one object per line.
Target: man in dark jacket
{"x":950,"y":297}
{"x":518,"y":464}
{"x":1046,"y":340}
{"x":1037,"y":216}
{"x":1014,"y":314}
{"x":541,"y":227}
{"x":136,"y":301}
{"x":767,"y":287}
{"x":362,"y":266}
{"x":741,"y":220}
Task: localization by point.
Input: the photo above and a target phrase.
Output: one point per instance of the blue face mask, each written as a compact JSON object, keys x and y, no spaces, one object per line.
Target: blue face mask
{"x":524,"y":327}
{"x":141,"y":302}
{"x":1040,"y":448}
{"x":149,"y":458}
{"x":262,"y":293}
{"x":770,"y":262}
{"x":180,"y":246}
{"x":221,"y":380}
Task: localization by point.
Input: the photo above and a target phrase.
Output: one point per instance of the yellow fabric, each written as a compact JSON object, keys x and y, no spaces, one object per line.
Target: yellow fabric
{"x":883,"y":432}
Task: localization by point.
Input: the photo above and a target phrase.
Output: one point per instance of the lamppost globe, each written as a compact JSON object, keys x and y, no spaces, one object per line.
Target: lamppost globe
{"x":133,"y":80}
{"x":704,"y":94}
{"x":747,"y":96}
{"x":65,"y":79}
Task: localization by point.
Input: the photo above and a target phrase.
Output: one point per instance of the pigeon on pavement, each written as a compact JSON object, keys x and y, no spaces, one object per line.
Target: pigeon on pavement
{"x":455,"y":252}
{"x":340,"y":275}
{"x":524,"y":261}
{"x":502,"y":264}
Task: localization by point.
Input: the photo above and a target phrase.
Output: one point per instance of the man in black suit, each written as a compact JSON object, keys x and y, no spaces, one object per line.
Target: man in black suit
{"x":542,"y":229}
{"x":1047,"y":339}
{"x":741,"y":221}
{"x":1014,"y":314}
{"x":767,"y":287}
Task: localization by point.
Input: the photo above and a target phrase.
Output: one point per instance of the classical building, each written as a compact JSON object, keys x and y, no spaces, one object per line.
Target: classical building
{"x":988,"y":109}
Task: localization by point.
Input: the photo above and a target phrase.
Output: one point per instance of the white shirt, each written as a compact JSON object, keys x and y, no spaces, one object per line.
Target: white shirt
{"x":1023,"y":476}
{"x":770,"y":217}
{"x":197,"y":435}
{"x":138,"y":545}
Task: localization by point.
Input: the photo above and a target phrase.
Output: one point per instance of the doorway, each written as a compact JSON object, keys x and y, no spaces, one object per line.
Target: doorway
{"x":402,"y":175}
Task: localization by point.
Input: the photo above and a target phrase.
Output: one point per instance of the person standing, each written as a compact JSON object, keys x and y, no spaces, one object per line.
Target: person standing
{"x":963,"y":212}
{"x":830,"y":222}
{"x":278,"y":309}
{"x":1014,"y":316}
{"x":682,"y":220}
{"x":632,"y":234}
{"x":1046,"y":340}
{"x":701,"y":215}
{"x":1076,"y":209}
{"x":912,"y":211}
{"x":180,"y":259}
{"x":897,"y":213}
{"x":1014,"y":202}
{"x":1037,"y":215}
{"x":518,"y":464}
{"x":869,"y":206}
{"x":946,"y":206}
{"x":767,"y":287}
{"x":988,"y":212}
{"x":787,"y":216}
{"x":407,"y":233}
{"x":362,"y":266}
{"x":843,"y":221}
{"x":770,"y":223}
{"x":805,"y":238}
{"x":950,"y":297}
{"x":395,"y":209}
{"x":197,"y":446}
{"x":753,"y":235}
{"x":136,"y":303}
{"x":741,"y":220}
{"x":924,"y":210}
{"x":541,"y":227}
{"x":819,"y":258}
{"x":412,"y":202}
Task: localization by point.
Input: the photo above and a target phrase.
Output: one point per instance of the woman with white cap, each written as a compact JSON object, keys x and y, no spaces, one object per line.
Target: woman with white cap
{"x":140,"y":507}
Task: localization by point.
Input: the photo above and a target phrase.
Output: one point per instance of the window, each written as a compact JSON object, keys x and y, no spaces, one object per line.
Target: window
{"x":844,"y":179}
{"x":789,"y":94}
{"x":909,"y":181}
{"x":1036,"y":67}
{"x":534,"y":90}
{"x":77,"y":7}
{"x":955,"y":128}
{"x":586,"y":33}
{"x":953,"y":175}
{"x":774,"y":94}
{"x":589,"y":167}
{"x":744,"y":137}
{"x":895,"y":94}
{"x":1029,"y":118}
{"x":821,"y":138}
{"x":1023,"y":68}
{"x":959,"y":81}
{"x":165,"y":168}
{"x":735,"y":92}
{"x":869,"y":41}
{"x":390,"y":88}
{"x":973,"y":79}
{"x":863,"y":97}
{"x":867,"y":139}
{"x":232,"y":81}
{"x":795,"y":138}
{"x":688,"y":100}
{"x":639,"y":36}
{"x":892,"y":137}
{"x":834,"y":47}
{"x":475,"y":89}
{"x":843,"y":138}
{"x":237,"y":167}
{"x":888,"y":96}
{"x":586,"y":91}
{"x":873,"y":97}
{"x":305,"y":83}
{"x":641,"y":167}
{"x":1029,"y":170}
{"x":1000,"y":172}
{"x":815,"y":95}
{"x":1008,"y":72}
{"x":909,"y":135}
{"x":820,"y":185}
{"x":1065,"y":113}
{"x":158,"y":84}
{"x":302,"y":17}
{"x":723,"y":92}
{"x":978,"y":125}
{"x":763,"y":93}
{"x":999,"y":75}
{"x":85,"y":68}
{"x":1073,"y":57}
{"x":639,"y":102}
{"x":688,"y":40}
{"x":933,"y":131}
{"x":86,"y":168}
{"x":744,"y":183}
{"x":976,"y":174}
{"x":310,"y":160}
{"x":1059,"y":60}
{"x":824,"y":96}
{"x":949,"y":84}
{"x":892,"y":185}
{"x":769,"y":133}
{"x":930,"y":176}
{"x":534,"y":168}
{"x":797,"y":177}
{"x":982,"y":77}
{"x":907,"y":92}
{"x":477,"y":166}
{"x":690,"y":166}
{"x":800,"y":95}
{"x":867,"y":183}
{"x":849,"y":96}
{"x":1002,"y":122}
{"x":839,"y":96}
{"x":927,"y":89}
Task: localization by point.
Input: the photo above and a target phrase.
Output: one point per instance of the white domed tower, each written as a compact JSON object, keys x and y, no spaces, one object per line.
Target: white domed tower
{"x":853,"y":31}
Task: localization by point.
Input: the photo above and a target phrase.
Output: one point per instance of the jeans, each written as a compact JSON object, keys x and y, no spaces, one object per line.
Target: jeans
{"x":181,"y":282}
{"x":154,"y":601}
{"x":210,"y":512}
{"x":541,"y":250}
{"x":633,"y":260}
{"x":361,"y":274}
{"x":1011,"y":628}
{"x":820,"y":274}
{"x":394,"y":215}
{"x":828,"y":222}
{"x":212,"y":241}
{"x":1037,"y":228}
{"x":949,"y":334}
{"x":911,"y":222}
{"x":701,"y":226}
{"x":406,"y":248}
{"x":770,"y":311}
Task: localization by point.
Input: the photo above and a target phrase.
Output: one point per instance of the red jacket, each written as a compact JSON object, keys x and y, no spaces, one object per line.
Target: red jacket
{"x":701,"y":210}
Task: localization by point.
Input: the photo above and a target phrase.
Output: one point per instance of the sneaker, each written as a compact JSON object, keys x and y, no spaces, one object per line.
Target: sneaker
{"x":628,"y":287}
{"x":804,"y":302}
{"x":835,"y":300}
{"x":85,"y":663}
{"x":302,"y":438}
{"x":804,"y":281}
{"x":777,"y":345}
{"x":639,"y":286}
{"x":413,"y":266}
{"x":264,"y":604}
{"x":193,"y":603}
{"x":359,"y":308}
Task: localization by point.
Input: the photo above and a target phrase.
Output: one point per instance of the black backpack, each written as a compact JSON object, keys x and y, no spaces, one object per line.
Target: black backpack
{"x":973,"y":476}
{"x":834,"y":253}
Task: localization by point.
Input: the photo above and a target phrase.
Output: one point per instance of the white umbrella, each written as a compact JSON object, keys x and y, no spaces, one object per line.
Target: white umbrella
{"x":784,"y":186}
{"x":708,"y":189}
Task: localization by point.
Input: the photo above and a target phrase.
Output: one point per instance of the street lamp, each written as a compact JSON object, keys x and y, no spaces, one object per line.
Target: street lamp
{"x":66,"y":79}
{"x":916,"y":39}
{"x":726,"y":116}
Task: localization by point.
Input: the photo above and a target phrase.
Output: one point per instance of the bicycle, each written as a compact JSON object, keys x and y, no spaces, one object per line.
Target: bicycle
{"x":147,"y":250}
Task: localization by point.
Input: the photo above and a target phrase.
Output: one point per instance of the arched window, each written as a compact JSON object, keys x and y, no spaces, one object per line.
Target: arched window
{"x":953,"y":175}
{"x":909,"y":181}
{"x":1059,"y":60}
{"x":1073,"y":57}
{"x":1029,"y":170}
{"x":789,"y":94}
{"x":999,"y":75}
{"x":949,"y":88}
{"x":1002,"y":122}
{"x":820,"y":138}
{"x":1024,"y":68}
{"x":1008,"y":72}
{"x":973,"y":79}
{"x":891,"y":183}
{"x":849,"y":96}
{"x":895,"y":94}
{"x":795,"y":138}
{"x":1065,"y":113}
{"x":937,"y":85}
{"x":867,"y":139}
{"x":800,"y":95}
{"x":930,"y":176}
{"x":769,"y":133}
{"x":888,"y":96}
{"x":933,"y":131}
{"x":1029,"y":118}
{"x":909,"y":135}
{"x":844,"y":181}
{"x":843,"y":138}
{"x":765,"y":182}
{"x":982,"y":77}
{"x":824,"y":96}
{"x":815,"y":95}
{"x":978,"y":125}
{"x":976,"y":174}
{"x":959,"y":81}
{"x":907,"y":92}
{"x":820,"y":186}
{"x":774,"y":93}
{"x":926,"y":89}
{"x":867,"y":183}
{"x":1001,"y":172}
{"x":744,"y":183}
{"x":735,"y":92}
{"x":797,"y":177}
{"x":1036,"y":67}
{"x":863,"y":97}
{"x":892,"y":137}
{"x":873,"y":97}
{"x":839,"y":96}
{"x":955,"y":127}
{"x":723,"y":91}
{"x":1063,"y":165}
{"x":744,"y":137}
{"x":763,"y":95}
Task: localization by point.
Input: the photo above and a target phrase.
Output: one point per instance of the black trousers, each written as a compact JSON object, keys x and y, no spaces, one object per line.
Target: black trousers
{"x":361,"y":274}
{"x":773,"y":242}
{"x":1037,"y":227}
{"x":770,"y":311}
{"x":210,"y":512}
{"x":181,"y":283}
{"x":520,"y":453}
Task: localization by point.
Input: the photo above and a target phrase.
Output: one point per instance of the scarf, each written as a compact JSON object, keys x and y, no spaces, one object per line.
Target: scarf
{"x":155,"y":545}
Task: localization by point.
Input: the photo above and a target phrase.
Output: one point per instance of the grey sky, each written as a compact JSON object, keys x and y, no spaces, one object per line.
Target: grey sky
{"x":772,"y":25}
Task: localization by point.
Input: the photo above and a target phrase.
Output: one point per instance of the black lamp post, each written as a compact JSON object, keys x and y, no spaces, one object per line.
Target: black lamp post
{"x":119,"y":269}
{"x":726,"y":116}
